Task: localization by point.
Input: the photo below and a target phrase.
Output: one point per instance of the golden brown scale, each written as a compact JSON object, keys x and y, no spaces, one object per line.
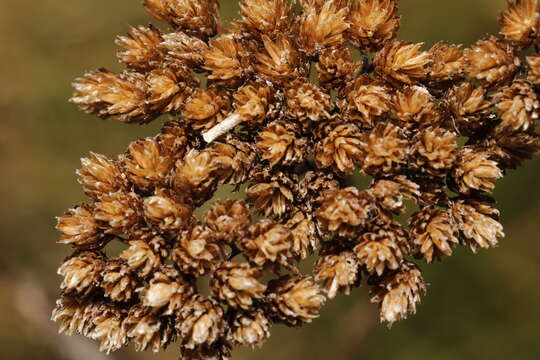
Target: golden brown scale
{"x":287,"y":104}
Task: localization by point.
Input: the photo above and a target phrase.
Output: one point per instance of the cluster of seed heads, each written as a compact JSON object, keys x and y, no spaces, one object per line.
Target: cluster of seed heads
{"x":281,"y":106}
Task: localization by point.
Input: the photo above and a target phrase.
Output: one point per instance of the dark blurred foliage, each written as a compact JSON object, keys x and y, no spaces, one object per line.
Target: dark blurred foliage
{"x":477,"y":307}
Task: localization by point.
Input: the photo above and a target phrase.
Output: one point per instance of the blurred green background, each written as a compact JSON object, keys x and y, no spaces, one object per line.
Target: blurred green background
{"x":477,"y":307}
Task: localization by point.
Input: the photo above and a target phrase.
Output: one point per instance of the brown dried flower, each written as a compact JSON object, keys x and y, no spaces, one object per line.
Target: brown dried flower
{"x":475,"y":170}
{"x":141,"y":48}
{"x":249,"y":328}
{"x":81,"y":273}
{"x":341,"y":148}
{"x":295,"y":299}
{"x":118,"y":282}
{"x":374,"y":23}
{"x":167,"y":289}
{"x":402,"y":62}
{"x":519,"y":107}
{"x":197,"y":251}
{"x":229,"y":219}
{"x":336,"y":68}
{"x":344,"y":212}
{"x":79,"y":227}
{"x":268,"y":243}
{"x":491,"y":61}
{"x":520,"y":21}
{"x":338,"y":273}
{"x":200,"y":322}
{"x":280,"y":144}
{"x":433,"y":232}
{"x":237,"y":284}
{"x":398,"y":293}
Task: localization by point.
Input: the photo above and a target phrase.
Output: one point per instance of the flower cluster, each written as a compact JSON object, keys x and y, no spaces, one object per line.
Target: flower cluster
{"x":287,"y":110}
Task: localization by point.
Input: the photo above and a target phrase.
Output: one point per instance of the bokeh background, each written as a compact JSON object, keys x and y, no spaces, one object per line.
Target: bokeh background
{"x":478,"y":307}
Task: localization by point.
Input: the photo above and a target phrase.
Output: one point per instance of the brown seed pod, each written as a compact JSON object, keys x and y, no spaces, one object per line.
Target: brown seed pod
{"x":398,"y":293}
{"x":338,"y":273}
{"x":295,"y":299}
{"x":373,"y":23}
{"x":249,"y":328}
{"x":197,"y":251}
{"x":345,"y":212}
{"x":433,"y":234}
{"x":200,"y":322}
{"x":237,"y":285}
{"x":402,"y":62}
{"x":228,"y":219}
{"x":340,"y":149}
{"x":491,"y":61}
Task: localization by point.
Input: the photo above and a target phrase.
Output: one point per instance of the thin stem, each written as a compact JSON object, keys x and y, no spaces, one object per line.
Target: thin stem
{"x":234,"y":251}
{"x":223,"y":127}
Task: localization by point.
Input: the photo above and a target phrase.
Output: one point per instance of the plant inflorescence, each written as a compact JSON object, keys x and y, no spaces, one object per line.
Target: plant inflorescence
{"x":286,"y":104}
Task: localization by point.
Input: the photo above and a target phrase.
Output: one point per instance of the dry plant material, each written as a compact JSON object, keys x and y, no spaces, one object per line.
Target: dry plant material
{"x":434,"y":129}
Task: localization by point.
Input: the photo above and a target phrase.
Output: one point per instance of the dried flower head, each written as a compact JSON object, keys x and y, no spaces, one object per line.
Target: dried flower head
{"x":277,"y":107}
